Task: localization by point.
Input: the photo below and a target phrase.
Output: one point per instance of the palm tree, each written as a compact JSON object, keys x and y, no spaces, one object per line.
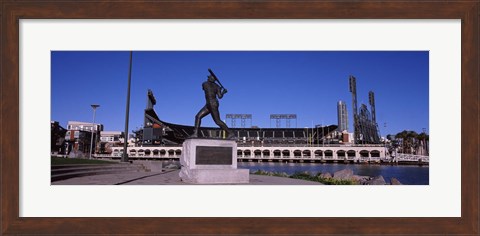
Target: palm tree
{"x":412,"y":141}
{"x":424,"y":137}
{"x":402,"y":136}
{"x":409,"y":140}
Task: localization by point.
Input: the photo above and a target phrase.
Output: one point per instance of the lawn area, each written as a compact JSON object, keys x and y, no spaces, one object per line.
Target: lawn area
{"x":70,"y":161}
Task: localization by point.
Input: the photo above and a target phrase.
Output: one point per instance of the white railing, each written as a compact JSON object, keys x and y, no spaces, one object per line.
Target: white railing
{"x":411,"y":157}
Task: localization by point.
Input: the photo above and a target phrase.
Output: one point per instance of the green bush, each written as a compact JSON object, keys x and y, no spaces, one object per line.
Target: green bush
{"x":307,"y":176}
{"x":304,"y":176}
{"x":268,"y":173}
{"x":331,"y":181}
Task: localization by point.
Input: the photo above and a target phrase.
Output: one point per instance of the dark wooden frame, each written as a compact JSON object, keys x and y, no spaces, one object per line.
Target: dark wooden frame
{"x":12,"y":11}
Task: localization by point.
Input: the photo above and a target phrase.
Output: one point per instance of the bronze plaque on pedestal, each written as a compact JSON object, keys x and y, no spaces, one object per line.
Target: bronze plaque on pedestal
{"x":208,"y":155}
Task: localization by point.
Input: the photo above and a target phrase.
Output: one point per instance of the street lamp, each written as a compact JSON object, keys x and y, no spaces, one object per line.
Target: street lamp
{"x":94,"y":106}
{"x":127,"y":112}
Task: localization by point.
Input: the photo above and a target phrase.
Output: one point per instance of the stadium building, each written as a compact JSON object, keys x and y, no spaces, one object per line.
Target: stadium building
{"x":162,"y":140}
{"x":160,"y":133}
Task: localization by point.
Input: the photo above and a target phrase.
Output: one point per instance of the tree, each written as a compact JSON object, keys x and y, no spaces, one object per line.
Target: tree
{"x":57,"y":134}
{"x":401,"y":136}
{"x":409,"y":140}
{"x":423,"y":137}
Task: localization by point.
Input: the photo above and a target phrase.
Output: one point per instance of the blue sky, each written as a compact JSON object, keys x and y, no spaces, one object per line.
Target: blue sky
{"x":308,"y":84}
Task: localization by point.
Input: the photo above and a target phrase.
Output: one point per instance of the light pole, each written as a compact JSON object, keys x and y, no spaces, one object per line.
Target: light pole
{"x":125,"y":143}
{"x":94,"y":106}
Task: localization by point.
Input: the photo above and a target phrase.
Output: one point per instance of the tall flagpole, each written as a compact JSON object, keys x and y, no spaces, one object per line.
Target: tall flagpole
{"x":125,"y":143}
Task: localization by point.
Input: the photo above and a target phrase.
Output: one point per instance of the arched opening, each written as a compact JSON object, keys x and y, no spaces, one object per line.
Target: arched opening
{"x":155,"y":152}
{"x":163,"y":152}
{"x":141,"y":152}
{"x":277,"y":153}
{"x":375,"y":153}
{"x":306,"y":153}
{"x":133,"y":152}
{"x":351,"y":153}
{"x":257,"y":153}
{"x":328,"y":154}
{"x":171,"y":152}
{"x":148,"y":152}
{"x":297,"y":153}
{"x":239,"y":152}
{"x":247,"y":153}
{"x":266,"y":153}
{"x":286,"y":153}
{"x":178,"y":152}
{"x":364,"y":153}
{"x":318,"y":154}
{"x":341,"y":154}
{"x":116,"y":152}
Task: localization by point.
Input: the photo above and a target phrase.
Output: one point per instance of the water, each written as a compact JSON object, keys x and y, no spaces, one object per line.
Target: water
{"x":406,"y":174}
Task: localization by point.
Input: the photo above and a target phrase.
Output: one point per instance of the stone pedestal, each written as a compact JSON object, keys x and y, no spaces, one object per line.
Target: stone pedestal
{"x":211,"y":161}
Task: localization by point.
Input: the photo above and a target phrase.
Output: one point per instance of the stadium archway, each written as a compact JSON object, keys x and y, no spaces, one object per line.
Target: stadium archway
{"x":239,"y":153}
{"x":133,"y":152}
{"x":341,"y":154}
{"x":257,"y":153}
{"x":351,"y":153}
{"x":286,"y":153}
{"x":318,"y":154}
{"x":375,"y":153}
{"x":247,"y":153}
{"x":277,"y":153}
{"x":297,"y":154}
{"x":266,"y":153}
{"x":163,"y":152}
{"x":364,"y":153}
{"x":178,"y":152}
{"x":307,"y":153}
{"x":171,"y":153}
{"x":148,"y":152}
{"x":155,"y":152}
{"x":328,"y":154}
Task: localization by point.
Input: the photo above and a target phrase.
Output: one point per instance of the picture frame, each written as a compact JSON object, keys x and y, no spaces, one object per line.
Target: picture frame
{"x":13,"y":11}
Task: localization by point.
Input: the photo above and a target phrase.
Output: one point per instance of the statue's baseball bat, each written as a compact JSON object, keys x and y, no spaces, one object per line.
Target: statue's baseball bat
{"x":216,"y":78}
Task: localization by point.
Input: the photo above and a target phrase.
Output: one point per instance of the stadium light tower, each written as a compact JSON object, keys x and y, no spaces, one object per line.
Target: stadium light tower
{"x":94,"y":106}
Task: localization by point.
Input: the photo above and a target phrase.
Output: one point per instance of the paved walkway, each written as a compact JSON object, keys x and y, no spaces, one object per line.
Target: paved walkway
{"x":168,"y":177}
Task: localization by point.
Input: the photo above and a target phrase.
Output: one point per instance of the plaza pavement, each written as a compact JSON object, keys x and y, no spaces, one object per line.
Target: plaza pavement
{"x":167,"y":177}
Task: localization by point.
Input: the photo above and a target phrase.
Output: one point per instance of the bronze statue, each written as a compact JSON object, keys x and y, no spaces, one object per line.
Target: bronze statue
{"x":212,"y":91}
